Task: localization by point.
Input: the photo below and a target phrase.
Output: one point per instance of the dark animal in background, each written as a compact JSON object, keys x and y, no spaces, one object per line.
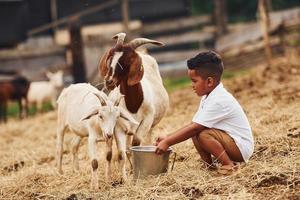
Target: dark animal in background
{"x":15,"y":89}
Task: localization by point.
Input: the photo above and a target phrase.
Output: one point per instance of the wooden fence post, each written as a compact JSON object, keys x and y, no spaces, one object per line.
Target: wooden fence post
{"x":126,"y":18}
{"x":264,"y":22}
{"x":220,"y":16}
{"x":76,"y":46}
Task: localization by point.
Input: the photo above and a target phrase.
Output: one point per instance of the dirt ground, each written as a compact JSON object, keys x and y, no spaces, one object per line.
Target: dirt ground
{"x":271,"y":100}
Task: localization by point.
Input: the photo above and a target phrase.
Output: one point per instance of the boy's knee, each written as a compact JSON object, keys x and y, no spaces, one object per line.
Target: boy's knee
{"x":204,"y":136}
{"x":195,"y":138}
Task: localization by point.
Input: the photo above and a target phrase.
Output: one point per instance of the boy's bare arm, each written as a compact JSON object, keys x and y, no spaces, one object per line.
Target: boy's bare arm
{"x":180,"y":135}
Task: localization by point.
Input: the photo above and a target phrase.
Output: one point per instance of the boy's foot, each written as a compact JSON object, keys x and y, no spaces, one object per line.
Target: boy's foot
{"x":228,"y":169}
{"x":211,"y":167}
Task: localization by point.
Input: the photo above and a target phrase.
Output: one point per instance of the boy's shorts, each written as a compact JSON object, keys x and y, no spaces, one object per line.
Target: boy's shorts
{"x":226,"y":141}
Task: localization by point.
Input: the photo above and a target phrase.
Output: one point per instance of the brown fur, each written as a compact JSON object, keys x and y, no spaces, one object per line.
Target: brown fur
{"x":109,"y":156}
{"x":102,"y":64}
{"x":136,"y":70}
{"x":133,"y":96}
{"x":120,"y":156}
{"x":94,"y":164}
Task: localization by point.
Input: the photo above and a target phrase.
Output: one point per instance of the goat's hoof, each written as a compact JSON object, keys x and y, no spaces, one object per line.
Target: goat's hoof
{"x":116,"y":183}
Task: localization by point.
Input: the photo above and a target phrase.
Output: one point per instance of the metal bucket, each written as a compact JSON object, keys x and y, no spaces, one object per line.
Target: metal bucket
{"x":147,"y":162}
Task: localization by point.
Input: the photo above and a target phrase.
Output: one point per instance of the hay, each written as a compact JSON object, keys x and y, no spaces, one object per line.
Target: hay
{"x":271,"y":99}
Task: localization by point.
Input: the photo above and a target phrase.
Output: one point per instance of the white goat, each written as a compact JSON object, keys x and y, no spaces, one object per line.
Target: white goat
{"x":140,"y":81}
{"x":88,"y":112}
{"x":43,"y":91}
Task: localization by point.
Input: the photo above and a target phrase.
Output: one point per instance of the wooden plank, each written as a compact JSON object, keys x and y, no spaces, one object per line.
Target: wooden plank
{"x":69,"y":18}
{"x":249,"y":59}
{"x":189,"y":37}
{"x":246,"y":48}
{"x":174,"y":56}
{"x":29,"y":53}
{"x":252,"y":31}
{"x":174,"y":24}
{"x":101,"y":33}
{"x":5,"y":78}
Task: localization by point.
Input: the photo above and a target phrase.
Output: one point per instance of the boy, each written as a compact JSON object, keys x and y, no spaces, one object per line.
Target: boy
{"x":220,"y":126}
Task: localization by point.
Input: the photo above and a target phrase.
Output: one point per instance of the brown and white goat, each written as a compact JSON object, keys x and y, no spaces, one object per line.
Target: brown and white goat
{"x":140,"y":82}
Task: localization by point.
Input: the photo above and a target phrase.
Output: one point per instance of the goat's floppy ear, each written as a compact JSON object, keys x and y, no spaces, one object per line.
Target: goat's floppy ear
{"x":126,"y":115}
{"x":136,"y":71}
{"x":89,"y":114}
{"x":102,"y":66}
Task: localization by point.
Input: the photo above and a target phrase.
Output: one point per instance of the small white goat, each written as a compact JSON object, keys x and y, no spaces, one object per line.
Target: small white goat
{"x":88,"y":112}
{"x":43,"y":91}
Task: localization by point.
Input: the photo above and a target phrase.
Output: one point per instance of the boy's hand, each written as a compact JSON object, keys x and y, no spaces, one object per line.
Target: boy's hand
{"x":162,"y":145}
{"x":159,"y":139}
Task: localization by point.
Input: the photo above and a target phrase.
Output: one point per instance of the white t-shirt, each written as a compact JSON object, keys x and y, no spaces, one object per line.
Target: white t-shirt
{"x":222,"y":111}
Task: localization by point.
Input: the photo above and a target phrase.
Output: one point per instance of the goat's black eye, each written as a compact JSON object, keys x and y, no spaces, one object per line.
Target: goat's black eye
{"x":119,"y":68}
{"x":101,"y":117}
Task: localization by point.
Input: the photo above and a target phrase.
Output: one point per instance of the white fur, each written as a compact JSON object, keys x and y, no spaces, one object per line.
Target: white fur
{"x":88,"y":112}
{"x":43,"y":91}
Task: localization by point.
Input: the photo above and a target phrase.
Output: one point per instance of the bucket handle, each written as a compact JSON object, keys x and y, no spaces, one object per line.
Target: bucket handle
{"x":175,"y":155}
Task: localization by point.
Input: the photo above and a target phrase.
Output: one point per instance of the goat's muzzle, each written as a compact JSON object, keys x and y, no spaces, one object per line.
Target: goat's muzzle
{"x":109,"y":136}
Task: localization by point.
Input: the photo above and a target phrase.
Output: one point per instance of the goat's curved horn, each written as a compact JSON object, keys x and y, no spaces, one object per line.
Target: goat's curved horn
{"x":102,"y":97}
{"x":141,"y":41}
{"x":120,"y":37}
{"x":117,"y":102}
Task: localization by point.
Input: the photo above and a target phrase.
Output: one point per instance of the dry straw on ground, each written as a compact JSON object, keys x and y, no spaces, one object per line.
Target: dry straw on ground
{"x":271,"y":99}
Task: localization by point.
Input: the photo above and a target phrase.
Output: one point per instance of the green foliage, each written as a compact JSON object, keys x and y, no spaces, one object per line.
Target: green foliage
{"x":172,"y":84}
{"x":13,"y":109}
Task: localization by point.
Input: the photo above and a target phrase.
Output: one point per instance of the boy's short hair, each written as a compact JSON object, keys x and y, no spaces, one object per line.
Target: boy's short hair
{"x":207,"y":64}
